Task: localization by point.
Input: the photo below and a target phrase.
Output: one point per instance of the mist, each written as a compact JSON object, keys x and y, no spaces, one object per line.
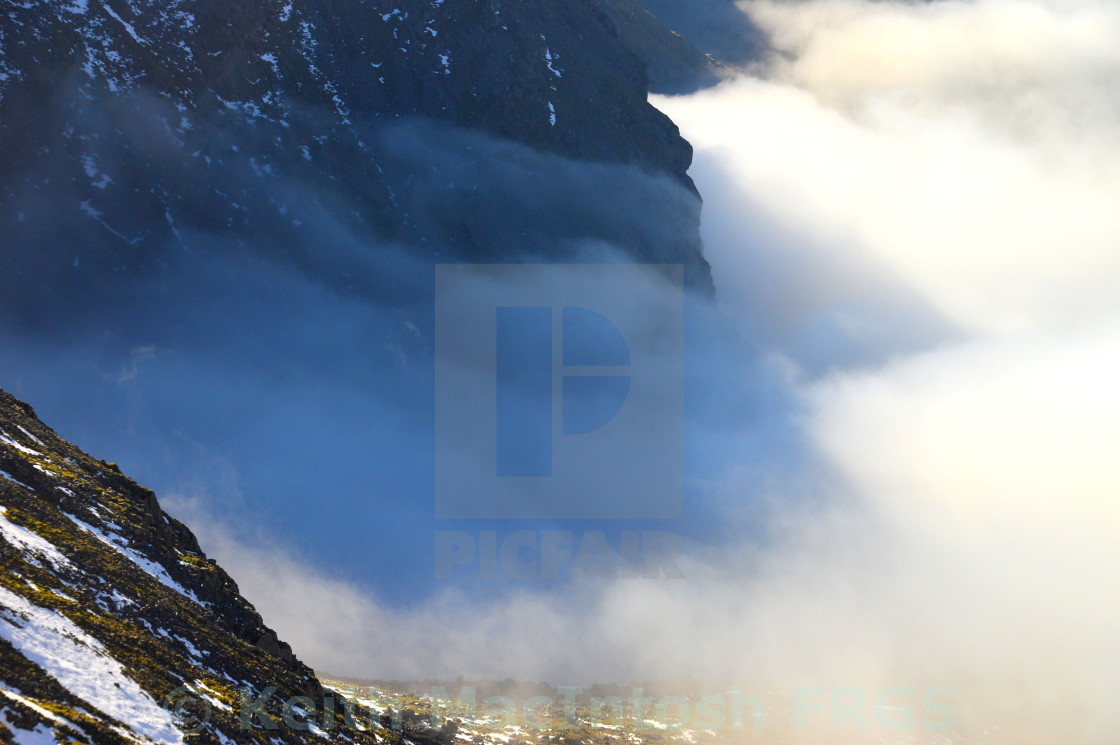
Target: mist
{"x":909,"y":210}
{"x":901,"y":439}
{"x":281,"y":371}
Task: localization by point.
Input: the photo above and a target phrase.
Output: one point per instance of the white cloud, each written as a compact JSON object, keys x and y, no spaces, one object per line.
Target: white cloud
{"x":916,"y":204}
{"x":965,"y":148}
{"x":989,"y":439}
{"x":960,"y":155}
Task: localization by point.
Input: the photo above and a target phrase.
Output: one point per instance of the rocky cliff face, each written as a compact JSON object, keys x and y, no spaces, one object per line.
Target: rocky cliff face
{"x":494,"y":65}
{"x":719,"y":28}
{"x":675,"y":65}
{"x":125,"y":124}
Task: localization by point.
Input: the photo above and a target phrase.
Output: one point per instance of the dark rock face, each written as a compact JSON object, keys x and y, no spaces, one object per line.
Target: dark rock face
{"x":716,"y":27}
{"x":675,"y":65}
{"x":493,"y":65}
{"x":130,"y":123}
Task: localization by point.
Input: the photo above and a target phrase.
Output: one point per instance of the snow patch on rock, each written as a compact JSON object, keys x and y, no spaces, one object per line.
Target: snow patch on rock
{"x":120,"y":545}
{"x":29,"y":541}
{"x":83,"y":666}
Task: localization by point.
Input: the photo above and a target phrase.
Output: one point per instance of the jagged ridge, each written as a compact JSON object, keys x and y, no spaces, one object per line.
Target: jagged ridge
{"x":108,"y":605}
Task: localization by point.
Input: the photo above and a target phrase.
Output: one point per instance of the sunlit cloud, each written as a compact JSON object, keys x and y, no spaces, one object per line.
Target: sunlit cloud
{"x":910,"y":212}
{"x":966,"y":148}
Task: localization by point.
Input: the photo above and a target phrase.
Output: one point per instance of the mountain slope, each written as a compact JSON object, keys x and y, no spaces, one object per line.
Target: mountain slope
{"x":719,"y":28}
{"x":675,"y":65}
{"x":108,"y":607}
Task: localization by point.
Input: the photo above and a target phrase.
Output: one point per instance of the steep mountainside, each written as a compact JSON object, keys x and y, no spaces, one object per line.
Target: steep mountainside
{"x":718,"y":28}
{"x":126,"y":125}
{"x":675,"y":65}
{"x":110,"y":612}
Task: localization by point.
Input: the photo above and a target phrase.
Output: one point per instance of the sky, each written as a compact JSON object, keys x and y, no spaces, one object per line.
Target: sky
{"x":901,"y":416}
